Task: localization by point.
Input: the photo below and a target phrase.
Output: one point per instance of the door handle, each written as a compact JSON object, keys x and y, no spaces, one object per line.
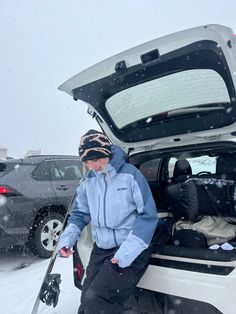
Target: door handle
{"x":62,"y":188}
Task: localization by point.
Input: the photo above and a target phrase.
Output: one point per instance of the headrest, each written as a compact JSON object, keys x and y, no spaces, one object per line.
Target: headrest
{"x":226,"y":166}
{"x":182,"y":168}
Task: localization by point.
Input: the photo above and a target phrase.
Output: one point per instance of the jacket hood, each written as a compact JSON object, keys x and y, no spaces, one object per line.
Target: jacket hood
{"x":119,"y":157}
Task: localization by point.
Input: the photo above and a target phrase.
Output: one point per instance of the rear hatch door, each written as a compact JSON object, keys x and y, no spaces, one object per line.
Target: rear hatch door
{"x":179,"y":88}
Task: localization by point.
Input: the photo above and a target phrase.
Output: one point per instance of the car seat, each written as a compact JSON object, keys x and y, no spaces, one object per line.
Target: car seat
{"x":226,"y":166}
{"x":182,"y":171}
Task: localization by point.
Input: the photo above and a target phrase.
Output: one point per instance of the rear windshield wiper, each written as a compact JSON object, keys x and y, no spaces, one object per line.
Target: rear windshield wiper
{"x":191,"y":110}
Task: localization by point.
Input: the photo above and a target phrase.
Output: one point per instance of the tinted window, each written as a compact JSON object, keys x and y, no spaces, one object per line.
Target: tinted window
{"x":42,"y":172}
{"x":149,"y":169}
{"x":68,"y":169}
{"x":5,"y":168}
{"x":2,"y":167}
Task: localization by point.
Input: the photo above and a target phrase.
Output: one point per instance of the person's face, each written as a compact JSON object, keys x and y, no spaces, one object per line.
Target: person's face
{"x":97,"y":164}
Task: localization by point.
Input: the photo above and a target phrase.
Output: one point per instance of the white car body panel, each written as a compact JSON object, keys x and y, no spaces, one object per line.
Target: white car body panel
{"x":193,"y":285}
{"x":209,"y":288}
{"x":217,"y":33}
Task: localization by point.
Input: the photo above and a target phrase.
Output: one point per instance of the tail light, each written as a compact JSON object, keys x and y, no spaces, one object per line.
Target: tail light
{"x":6,"y":190}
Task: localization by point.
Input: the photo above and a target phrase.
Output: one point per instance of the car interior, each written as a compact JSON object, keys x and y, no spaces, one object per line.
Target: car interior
{"x":193,"y":188}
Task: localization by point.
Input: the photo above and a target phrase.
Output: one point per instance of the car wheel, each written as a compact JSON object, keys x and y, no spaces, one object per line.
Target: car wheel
{"x":46,"y":234}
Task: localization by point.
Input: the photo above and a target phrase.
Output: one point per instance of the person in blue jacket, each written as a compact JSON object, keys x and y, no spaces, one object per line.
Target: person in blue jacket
{"x":115,"y":197}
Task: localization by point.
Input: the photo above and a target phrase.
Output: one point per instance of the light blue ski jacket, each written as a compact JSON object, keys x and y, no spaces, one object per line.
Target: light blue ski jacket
{"x":120,"y":206}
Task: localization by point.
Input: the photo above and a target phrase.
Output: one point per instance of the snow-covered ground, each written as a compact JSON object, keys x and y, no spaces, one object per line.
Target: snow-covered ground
{"x":21,"y":275}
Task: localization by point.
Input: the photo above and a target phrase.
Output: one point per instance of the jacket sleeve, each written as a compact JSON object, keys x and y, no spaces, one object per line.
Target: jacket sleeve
{"x":78,"y":219}
{"x":144,"y":226}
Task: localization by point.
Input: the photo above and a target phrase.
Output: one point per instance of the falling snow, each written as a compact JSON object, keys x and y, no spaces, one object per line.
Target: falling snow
{"x":21,"y":275}
{"x":3,"y":200}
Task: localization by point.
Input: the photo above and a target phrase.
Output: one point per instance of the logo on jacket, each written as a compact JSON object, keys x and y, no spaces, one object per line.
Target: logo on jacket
{"x":122,"y":189}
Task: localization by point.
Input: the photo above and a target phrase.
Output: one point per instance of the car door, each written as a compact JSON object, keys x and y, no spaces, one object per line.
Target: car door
{"x":38,"y":186}
{"x":65,"y":177}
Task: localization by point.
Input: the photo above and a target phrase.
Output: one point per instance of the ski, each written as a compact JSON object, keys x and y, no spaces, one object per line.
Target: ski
{"x":50,"y":288}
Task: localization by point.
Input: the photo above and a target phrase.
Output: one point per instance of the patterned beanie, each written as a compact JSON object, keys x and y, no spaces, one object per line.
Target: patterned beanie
{"x":94,"y":145}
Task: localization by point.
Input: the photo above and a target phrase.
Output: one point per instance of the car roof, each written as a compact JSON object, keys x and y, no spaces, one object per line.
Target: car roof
{"x":37,"y":159}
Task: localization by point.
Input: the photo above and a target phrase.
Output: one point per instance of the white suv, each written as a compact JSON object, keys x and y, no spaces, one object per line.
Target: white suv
{"x":170,"y":101}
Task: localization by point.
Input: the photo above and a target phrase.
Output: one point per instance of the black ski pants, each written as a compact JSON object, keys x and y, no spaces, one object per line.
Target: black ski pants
{"x":107,"y":286}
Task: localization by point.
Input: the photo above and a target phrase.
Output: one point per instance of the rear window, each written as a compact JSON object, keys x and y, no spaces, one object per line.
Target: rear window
{"x":180,"y":90}
{"x":5,"y":168}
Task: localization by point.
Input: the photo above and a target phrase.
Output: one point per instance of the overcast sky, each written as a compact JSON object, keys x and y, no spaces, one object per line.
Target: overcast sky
{"x":45,"y":42}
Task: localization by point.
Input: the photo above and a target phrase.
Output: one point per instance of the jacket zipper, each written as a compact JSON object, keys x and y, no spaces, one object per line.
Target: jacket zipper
{"x":98,"y":210}
{"x":104,"y":202}
{"x":104,"y":211}
{"x":114,"y":236}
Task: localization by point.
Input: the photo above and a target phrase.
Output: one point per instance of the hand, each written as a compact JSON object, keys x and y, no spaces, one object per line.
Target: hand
{"x":66,"y":251}
{"x":114,"y":261}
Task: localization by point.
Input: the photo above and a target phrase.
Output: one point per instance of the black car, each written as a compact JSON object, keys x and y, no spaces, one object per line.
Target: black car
{"x":34,"y":196}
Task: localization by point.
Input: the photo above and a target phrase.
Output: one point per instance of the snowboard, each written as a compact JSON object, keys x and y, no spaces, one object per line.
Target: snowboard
{"x":50,"y":288}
